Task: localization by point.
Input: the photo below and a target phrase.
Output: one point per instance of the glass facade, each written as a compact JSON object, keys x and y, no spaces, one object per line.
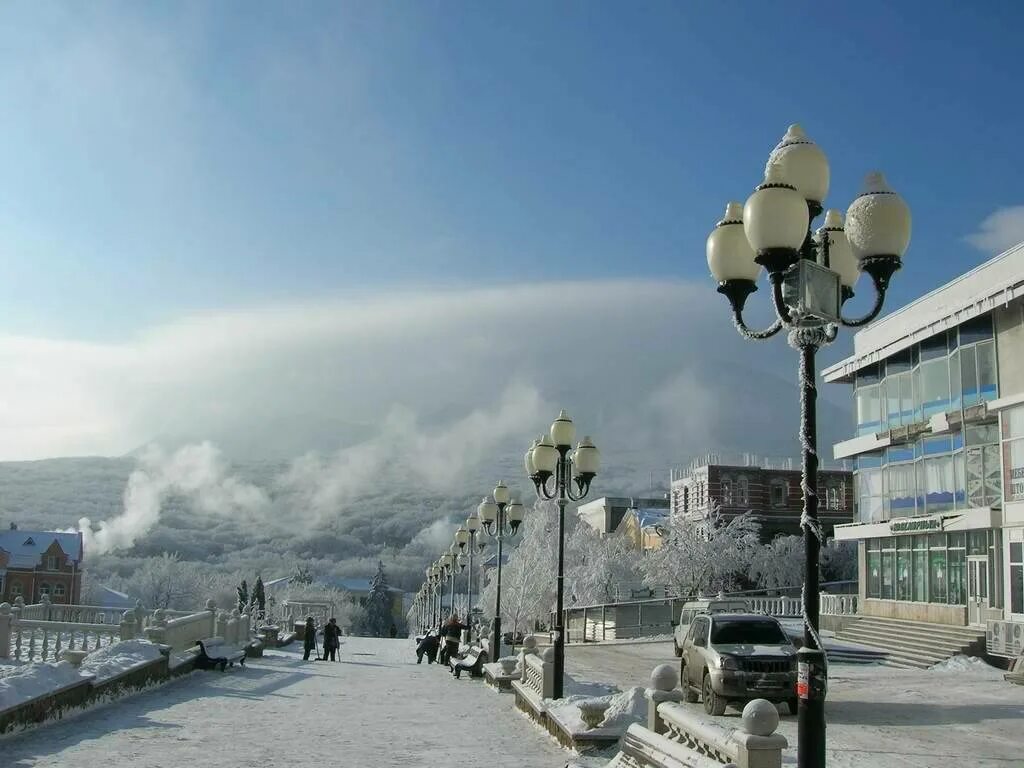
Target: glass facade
{"x":952,"y":370}
{"x":932,"y":475}
{"x":928,"y":568}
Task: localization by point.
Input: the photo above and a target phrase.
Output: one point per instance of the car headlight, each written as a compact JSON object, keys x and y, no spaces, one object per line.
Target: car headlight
{"x":728,"y":662}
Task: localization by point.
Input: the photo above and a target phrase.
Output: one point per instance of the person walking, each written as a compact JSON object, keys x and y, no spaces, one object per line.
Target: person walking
{"x":394,"y":631}
{"x":427,"y":647}
{"x":451,"y":633}
{"x":332,"y":635}
{"x":309,"y":639}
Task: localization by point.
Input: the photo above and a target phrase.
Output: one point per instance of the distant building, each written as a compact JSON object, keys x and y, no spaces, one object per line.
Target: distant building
{"x":360,"y":590}
{"x":605,"y":514}
{"x":37,"y":563}
{"x":105,"y":597}
{"x":644,"y":527}
{"x":769,"y":488}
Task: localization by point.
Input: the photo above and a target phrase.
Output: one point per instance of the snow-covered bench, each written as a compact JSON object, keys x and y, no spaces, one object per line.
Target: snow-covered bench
{"x":214,"y":653}
{"x":472,"y":661}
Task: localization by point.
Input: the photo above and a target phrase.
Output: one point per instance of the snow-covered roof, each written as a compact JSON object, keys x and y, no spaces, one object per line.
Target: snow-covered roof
{"x":111,"y":598}
{"x":358,"y":585}
{"x":646,"y":516}
{"x":27,"y":547}
{"x":975,"y":293}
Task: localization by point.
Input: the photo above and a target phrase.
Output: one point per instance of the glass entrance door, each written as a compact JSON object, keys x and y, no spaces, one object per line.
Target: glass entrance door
{"x":977,"y":590}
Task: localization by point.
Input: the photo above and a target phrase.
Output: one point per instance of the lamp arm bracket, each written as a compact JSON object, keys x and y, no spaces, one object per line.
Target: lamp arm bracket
{"x":880,"y":290}
{"x":777,"y":299}
{"x":748,"y":333}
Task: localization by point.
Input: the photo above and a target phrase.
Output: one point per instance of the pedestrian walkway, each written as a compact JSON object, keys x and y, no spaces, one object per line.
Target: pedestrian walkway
{"x":375,"y":707}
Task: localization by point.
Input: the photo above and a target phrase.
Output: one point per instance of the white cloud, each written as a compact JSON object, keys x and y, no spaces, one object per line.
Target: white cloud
{"x":1001,"y":230}
{"x":426,"y":384}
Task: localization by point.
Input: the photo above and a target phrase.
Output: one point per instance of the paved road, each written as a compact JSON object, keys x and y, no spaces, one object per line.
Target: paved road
{"x":375,"y":708}
{"x":878,"y":717}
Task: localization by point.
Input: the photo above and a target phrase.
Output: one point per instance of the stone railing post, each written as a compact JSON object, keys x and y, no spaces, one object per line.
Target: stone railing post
{"x":233,"y":627}
{"x":548,"y":669}
{"x":156,"y":632}
{"x":128,"y":625}
{"x":757,"y":743}
{"x":44,"y":601}
{"x":220,"y":628}
{"x":529,"y":649}
{"x":5,"y":630}
{"x":140,"y":618}
{"x":664,"y":682}
{"x":211,"y":608}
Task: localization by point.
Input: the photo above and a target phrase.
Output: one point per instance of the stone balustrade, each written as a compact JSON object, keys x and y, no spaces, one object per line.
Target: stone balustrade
{"x":776,"y":606}
{"x":538,"y":673}
{"x":755,"y":744}
{"x":838,"y":605}
{"x":30,"y":640}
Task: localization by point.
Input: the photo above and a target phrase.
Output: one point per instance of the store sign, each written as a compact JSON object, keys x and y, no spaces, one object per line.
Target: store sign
{"x":1017,"y":482}
{"x":915,"y":525}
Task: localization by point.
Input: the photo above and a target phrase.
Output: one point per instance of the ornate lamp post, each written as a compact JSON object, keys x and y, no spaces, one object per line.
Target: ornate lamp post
{"x":552,"y":457}
{"x":811,"y":275}
{"x":464,"y":541}
{"x":500,"y":516}
{"x":435,"y":578}
{"x":447,"y":564}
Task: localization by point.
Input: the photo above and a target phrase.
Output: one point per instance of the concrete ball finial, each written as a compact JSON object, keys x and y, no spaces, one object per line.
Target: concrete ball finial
{"x":548,"y":654}
{"x":211,"y":605}
{"x":530,"y":642}
{"x":664,"y":677}
{"x":5,"y":609}
{"x":760,"y":718}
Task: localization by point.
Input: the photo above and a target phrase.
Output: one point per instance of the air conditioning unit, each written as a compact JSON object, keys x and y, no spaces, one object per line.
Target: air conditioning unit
{"x":1005,"y":638}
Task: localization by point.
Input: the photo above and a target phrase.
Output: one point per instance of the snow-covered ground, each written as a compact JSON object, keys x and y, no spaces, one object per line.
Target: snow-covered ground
{"x":961,"y":713}
{"x":376,"y":707}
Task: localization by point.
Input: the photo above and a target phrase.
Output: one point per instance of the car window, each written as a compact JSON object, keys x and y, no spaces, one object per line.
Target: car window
{"x":686,"y":617}
{"x":752,"y":632}
{"x":699,"y":632}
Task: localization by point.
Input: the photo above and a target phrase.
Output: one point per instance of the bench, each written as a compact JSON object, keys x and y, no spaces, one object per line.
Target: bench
{"x":472,"y":661}
{"x":213,"y":654}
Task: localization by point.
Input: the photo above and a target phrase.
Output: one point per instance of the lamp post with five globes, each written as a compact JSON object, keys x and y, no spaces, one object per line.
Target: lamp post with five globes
{"x":499,"y":513}
{"x":811,"y":275}
{"x":549,"y":457}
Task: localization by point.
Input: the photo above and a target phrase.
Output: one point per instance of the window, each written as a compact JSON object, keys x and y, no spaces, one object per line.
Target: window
{"x":686,"y":498}
{"x":728,"y":498}
{"x":869,"y":495}
{"x":888,"y":563}
{"x":16,"y":589}
{"x":902,"y":493}
{"x":939,"y":484}
{"x":869,"y":410}
{"x":1016,"y":577}
{"x":903,"y":574}
{"x":874,"y":558}
{"x":956,"y":564}
{"x":937,"y":575}
{"x":778,"y":493}
{"x":44,"y":589}
{"x":920,"y":566}
{"x":51,"y":563}
{"x":743,"y":490}
{"x":1012,"y":421}
{"x":59,"y":590}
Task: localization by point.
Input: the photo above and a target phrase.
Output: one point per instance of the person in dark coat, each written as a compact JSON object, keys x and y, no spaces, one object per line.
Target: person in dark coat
{"x":394,"y":631}
{"x":309,"y":638}
{"x":332,"y":635}
{"x":451,"y":632}
{"x":427,"y":647}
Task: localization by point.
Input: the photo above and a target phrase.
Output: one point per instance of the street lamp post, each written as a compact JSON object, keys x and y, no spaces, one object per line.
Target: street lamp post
{"x":464,"y":540}
{"x":499,"y":514}
{"x":811,"y":275}
{"x":552,"y":456}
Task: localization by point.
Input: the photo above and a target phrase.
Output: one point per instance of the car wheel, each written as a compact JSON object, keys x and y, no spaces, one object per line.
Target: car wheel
{"x":689,"y":696}
{"x":794,"y":706}
{"x":713,"y":703}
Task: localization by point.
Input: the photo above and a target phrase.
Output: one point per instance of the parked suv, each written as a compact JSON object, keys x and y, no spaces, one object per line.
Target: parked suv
{"x":696,"y":608}
{"x":733,"y":658}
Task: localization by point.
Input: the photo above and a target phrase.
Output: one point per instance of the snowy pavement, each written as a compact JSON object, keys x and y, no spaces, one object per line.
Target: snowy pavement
{"x":877,"y":717}
{"x":376,"y":707}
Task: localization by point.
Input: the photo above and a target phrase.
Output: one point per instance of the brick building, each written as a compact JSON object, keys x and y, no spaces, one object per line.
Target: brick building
{"x":34,"y":563}
{"x":768,"y":488}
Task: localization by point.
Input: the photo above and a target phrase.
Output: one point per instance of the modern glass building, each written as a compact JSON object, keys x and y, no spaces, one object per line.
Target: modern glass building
{"x":938,"y":446}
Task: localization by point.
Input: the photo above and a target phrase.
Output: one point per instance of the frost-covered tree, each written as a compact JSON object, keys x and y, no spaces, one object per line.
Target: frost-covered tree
{"x":167,"y":582}
{"x":779,"y":563}
{"x":259,"y":595}
{"x":378,"y":619}
{"x":243,"y":596}
{"x":597,"y":565}
{"x":839,"y":560}
{"x":301,"y":575}
{"x":702,"y":556}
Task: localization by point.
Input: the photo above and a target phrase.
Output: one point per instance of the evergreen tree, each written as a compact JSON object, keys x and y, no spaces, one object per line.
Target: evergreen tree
{"x":243,"y":596}
{"x":259,"y":595}
{"x":378,"y":605}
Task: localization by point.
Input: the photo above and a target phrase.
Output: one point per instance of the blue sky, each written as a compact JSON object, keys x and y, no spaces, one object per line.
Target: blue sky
{"x":299,"y":225}
{"x":164,"y":158}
